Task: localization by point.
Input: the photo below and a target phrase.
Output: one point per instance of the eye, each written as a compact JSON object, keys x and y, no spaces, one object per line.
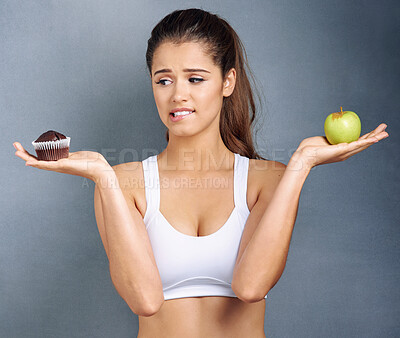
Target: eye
{"x":162,"y":82}
{"x":195,"y":79}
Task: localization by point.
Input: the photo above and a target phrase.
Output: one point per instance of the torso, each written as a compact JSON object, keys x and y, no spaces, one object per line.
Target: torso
{"x":199,"y":316}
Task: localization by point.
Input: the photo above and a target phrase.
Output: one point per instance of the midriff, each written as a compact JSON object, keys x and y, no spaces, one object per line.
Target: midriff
{"x":200,"y":317}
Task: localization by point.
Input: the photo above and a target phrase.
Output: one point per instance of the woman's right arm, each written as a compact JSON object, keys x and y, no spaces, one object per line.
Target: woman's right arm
{"x":133,"y":268}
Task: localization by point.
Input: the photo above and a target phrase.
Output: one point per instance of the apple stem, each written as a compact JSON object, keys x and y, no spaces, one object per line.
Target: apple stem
{"x":341,"y":110}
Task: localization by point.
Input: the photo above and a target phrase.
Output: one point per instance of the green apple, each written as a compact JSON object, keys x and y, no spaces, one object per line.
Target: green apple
{"x":343,"y":126}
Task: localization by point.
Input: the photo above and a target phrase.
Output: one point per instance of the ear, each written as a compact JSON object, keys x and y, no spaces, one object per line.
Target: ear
{"x":229,"y":82}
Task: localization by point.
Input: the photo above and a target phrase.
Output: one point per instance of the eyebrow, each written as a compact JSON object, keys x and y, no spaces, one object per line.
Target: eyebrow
{"x":186,"y":70}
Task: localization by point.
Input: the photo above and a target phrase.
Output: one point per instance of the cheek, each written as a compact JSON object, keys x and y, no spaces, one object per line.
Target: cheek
{"x":209,"y":95}
{"x":159,"y":98}
{"x":212,"y":99}
{"x":160,"y":104}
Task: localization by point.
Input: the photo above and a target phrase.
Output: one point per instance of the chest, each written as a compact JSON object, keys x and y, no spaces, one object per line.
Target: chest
{"x":197,"y":206}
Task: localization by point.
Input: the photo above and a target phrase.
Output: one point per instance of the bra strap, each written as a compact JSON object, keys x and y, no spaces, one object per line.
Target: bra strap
{"x":152,"y":189}
{"x":240,"y":182}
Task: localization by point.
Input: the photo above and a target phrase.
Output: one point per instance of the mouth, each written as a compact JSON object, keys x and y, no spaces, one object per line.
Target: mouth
{"x":181,"y":113}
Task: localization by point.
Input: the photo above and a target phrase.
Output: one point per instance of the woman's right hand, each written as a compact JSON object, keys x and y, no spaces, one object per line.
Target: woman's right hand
{"x":89,"y":164}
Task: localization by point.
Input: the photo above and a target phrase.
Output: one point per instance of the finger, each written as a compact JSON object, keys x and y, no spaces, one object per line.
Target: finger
{"x":361,"y":143}
{"x":45,"y":165}
{"x":357,"y":146}
{"x":378,"y":130}
{"x":33,"y":161}
{"x":373,"y":137}
{"x":22,"y":153}
{"x":19,"y":147}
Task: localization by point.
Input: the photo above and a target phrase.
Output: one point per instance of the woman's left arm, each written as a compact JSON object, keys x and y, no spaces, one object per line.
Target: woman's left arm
{"x":264,"y":246}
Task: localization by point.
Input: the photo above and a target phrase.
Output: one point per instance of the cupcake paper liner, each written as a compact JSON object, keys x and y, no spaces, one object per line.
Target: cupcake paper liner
{"x":52,"y":150}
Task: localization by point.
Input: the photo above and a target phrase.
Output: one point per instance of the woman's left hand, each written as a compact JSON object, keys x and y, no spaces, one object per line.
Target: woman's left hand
{"x":317,"y":150}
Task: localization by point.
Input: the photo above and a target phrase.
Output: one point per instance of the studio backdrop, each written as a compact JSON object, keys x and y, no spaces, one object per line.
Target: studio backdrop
{"x":78,"y":67}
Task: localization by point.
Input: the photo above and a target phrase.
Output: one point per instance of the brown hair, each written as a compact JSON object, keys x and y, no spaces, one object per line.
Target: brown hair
{"x":223,"y":44}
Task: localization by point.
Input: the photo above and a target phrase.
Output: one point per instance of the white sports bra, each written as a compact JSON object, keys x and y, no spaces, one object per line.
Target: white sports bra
{"x":192,"y":266}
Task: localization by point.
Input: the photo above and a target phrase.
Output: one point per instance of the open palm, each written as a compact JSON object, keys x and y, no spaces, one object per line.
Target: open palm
{"x":317,"y":150}
{"x":81,"y":163}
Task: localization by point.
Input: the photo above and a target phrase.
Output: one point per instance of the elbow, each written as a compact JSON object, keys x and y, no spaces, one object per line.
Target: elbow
{"x":254,"y":290}
{"x":142,"y":303}
{"x":249,"y":295}
{"x":148,"y":310}
{"x":145,"y":308}
{"x":152,"y":306}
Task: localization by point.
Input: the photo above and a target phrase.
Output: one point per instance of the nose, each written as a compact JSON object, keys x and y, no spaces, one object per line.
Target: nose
{"x":180,"y":92}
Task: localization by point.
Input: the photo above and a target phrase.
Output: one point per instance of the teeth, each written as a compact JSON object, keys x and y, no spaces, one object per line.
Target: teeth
{"x":178,"y":113}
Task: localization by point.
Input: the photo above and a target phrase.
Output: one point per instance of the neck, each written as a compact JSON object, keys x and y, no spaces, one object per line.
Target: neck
{"x":198,"y":153}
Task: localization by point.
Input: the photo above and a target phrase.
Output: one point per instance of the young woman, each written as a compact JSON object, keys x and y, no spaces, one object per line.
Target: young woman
{"x":195,"y":248}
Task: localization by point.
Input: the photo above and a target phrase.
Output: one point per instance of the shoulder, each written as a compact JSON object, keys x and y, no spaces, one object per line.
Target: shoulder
{"x":130,"y":176}
{"x":124,"y":168}
{"x":266,"y":170}
{"x":265,"y":176}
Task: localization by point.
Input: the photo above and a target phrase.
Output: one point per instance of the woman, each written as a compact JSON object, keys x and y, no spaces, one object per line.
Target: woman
{"x":195,"y":249}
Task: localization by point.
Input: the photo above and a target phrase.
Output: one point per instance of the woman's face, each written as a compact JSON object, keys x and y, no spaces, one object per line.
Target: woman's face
{"x":183,"y":76}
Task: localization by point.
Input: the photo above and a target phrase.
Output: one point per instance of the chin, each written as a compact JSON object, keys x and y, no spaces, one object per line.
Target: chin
{"x":183,"y":132}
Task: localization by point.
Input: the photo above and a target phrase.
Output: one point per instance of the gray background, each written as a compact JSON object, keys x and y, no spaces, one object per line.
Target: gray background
{"x":79,"y":67}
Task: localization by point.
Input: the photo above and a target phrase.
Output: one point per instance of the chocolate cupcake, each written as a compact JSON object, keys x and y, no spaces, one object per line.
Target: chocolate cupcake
{"x":51,"y":146}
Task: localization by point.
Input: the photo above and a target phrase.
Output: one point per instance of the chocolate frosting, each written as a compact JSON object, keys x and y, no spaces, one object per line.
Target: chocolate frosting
{"x":50,"y":135}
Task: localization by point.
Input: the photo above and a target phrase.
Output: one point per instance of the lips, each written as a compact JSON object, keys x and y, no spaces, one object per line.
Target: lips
{"x":180,"y":115}
{"x":184,"y":109}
